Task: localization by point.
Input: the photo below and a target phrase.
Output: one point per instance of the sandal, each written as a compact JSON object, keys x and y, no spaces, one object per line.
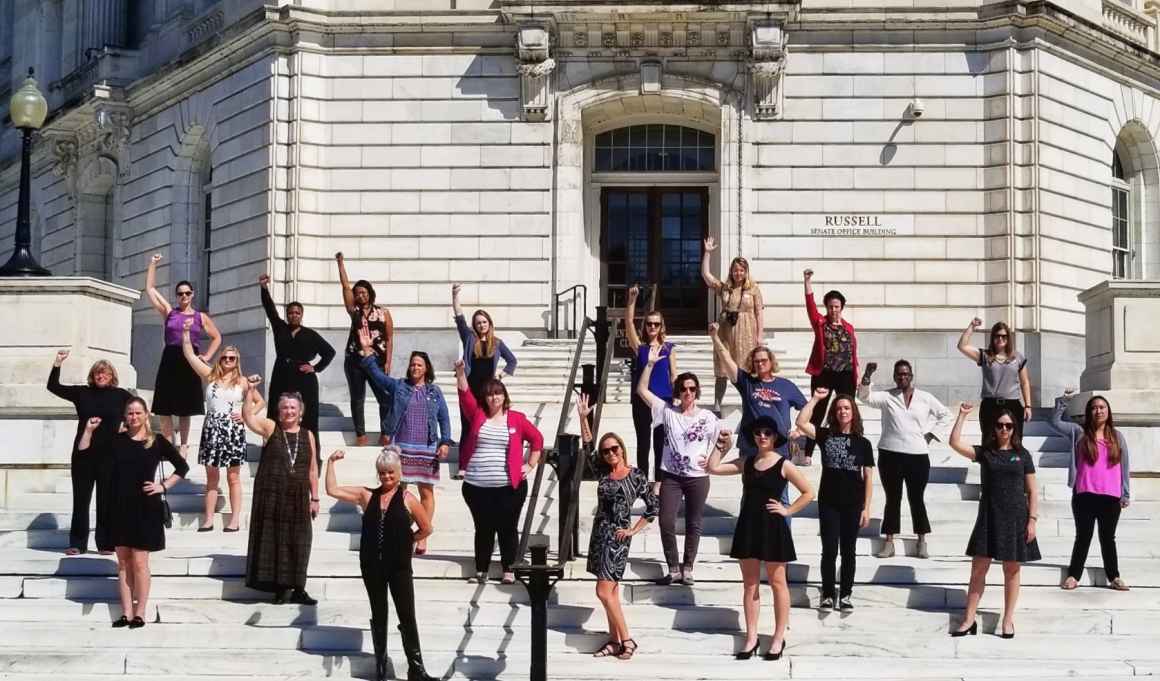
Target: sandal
{"x":610,"y":649}
{"x":1119,"y":584}
{"x":508,"y":578}
{"x":627,"y":649}
{"x":72,"y":551}
{"x":1069,"y":584}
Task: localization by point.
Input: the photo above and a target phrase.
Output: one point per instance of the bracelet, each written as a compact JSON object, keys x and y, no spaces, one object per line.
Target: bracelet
{"x":1035,"y":517}
{"x":313,"y":499}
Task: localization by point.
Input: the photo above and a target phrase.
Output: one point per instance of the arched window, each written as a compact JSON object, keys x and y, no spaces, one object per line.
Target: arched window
{"x":1122,"y":241}
{"x":655,"y":148}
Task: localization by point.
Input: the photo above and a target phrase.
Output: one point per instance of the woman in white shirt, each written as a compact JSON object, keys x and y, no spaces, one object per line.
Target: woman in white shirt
{"x":690,"y":437}
{"x":910,"y":418}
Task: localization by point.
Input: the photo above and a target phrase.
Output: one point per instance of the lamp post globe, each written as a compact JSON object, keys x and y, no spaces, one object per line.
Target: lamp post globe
{"x":28,"y":110}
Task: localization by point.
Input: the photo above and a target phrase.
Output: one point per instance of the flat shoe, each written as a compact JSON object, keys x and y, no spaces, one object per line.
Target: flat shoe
{"x":228,"y":529}
{"x":508,"y":578}
{"x":1119,"y":585}
{"x":207,"y":528}
{"x":120,"y":622}
{"x":136,"y":623}
{"x":72,"y":551}
{"x":1069,"y":584}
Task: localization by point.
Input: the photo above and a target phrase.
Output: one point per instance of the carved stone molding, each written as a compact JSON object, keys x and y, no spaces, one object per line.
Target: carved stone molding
{"x":535,"y":68}
{"x":766,"y":67}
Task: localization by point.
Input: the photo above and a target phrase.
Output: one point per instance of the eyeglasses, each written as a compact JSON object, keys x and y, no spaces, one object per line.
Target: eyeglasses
{"x":1004,"y":425}
{"x":999,"y":335}
{"x":686,"y":389}
{"x":184,"y":293}
{"x":613,"y":449}
{"x":762,"y":432}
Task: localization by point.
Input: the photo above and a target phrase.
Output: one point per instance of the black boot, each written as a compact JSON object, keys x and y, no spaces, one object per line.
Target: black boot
{"x":415,"y":670}
{"x":379,"y":640}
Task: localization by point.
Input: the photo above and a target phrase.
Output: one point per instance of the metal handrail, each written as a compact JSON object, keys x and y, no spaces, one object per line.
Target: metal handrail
{"x":534,"y":497}
{"x":573,"y":512}
{"x":576,"y":290}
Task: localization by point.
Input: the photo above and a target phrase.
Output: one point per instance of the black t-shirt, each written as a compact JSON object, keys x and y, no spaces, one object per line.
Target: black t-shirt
{"x":843,"y":457}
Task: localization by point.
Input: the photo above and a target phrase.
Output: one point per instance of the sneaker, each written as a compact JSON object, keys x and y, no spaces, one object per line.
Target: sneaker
{"x":827,"y":603}
{"x":887,"y":550}
{"x":845,"y":604}
{"x":920,"y":548}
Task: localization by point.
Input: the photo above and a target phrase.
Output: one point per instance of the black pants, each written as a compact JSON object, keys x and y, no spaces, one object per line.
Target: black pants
{"x":989,"y":410}
{"x":839,"y":383}
{"x":495,"y":511}
{"x":402,"y":588}
{"x":694,"y":491}
{"x":1089,"y":509}
{"x":839,"y":525}
{"x":90,"y":468}
{"x":356,"y":380}
{"x":647,"y":439}
{"x":896,"y":468}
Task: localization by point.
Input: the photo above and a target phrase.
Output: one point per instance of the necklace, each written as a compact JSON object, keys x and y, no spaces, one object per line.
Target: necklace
{"x":292,"y":453}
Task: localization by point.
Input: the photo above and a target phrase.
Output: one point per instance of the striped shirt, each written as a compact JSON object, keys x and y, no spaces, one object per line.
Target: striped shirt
{"x":488,"y":465}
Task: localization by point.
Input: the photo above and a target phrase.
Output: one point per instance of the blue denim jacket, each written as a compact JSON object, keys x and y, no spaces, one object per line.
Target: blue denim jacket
{"x":438,"y":420}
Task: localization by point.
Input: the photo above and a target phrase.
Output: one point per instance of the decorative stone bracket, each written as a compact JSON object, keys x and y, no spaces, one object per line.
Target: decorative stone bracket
{"x":766,"y":67}
{"x":100,"y":129}
{"x":535,"y":69}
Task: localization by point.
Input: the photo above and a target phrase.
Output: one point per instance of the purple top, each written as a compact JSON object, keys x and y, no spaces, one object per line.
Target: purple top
{"x":173,"y":328}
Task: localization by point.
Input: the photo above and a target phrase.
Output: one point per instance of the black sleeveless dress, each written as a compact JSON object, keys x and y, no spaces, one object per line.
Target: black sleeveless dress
{"x":387,"y":540}
{"x":760,"y":534}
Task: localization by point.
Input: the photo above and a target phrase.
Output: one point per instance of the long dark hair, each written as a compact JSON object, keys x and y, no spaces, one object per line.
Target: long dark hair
{"x":1091,"y":450}
{"x":494,"y":386}
{"x":429,"y":374}
{"x":992,"y":441}
{"x":1001,"y":326}
{"x":832,"y":414}
{"x":370,"y":290}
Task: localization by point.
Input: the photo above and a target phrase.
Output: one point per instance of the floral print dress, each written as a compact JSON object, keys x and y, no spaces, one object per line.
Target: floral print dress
{"x":607,"y":555}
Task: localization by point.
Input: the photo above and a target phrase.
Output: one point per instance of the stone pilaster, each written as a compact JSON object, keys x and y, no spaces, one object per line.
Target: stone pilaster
{"x":535,"y":69}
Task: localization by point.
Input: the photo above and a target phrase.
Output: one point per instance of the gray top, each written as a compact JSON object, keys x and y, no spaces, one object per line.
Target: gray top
{"x":1001,"y":379}
{"x":1061,"y":424}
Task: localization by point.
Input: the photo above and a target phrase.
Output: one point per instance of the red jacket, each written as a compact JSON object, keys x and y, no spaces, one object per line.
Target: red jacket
{"x":818,"y":355}
{"x":520,"y":430}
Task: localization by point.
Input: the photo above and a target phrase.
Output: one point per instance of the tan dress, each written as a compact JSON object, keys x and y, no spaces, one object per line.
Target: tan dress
{"x":742,"y":338}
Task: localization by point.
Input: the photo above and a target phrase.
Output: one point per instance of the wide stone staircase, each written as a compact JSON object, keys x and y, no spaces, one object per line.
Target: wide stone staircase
{"x":204,"y":624}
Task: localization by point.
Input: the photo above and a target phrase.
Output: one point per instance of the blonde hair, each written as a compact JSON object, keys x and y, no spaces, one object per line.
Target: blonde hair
{"x":727,"y":286}
{"x":150,"y":436}
{"x":99,"y":366}
{"x":775,"y":366}
{"x":219,"y":373}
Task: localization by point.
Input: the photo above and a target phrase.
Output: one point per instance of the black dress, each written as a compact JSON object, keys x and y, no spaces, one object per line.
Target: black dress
{"x":1001,"y":526}
{"x":281,"y":529}
{"x":760,"y":534}
{"x":136,"y":517}
{"x":607,"y":555}
{"x":293,"y":350}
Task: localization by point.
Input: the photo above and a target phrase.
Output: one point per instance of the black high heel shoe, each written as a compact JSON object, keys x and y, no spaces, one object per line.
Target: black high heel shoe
{"x":972,"y":630}
{"x":746,"y":654}
{"x":1003,"y":634}
{"x":772,"y":656}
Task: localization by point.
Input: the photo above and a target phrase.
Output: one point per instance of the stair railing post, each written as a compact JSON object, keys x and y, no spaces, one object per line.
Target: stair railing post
{"x":539,"y":578}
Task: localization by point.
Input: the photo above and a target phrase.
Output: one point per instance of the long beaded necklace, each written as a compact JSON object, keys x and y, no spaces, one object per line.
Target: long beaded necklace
{"x":292,"y":453}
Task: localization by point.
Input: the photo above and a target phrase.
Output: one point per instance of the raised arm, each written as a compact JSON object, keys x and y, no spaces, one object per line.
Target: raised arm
{"x":866,"y":388}
{"x":1059,"y":421}
{"x":268,"y":305}
{"x":215,"y":336}
{"x":956,"y":442}
{"x":86,"y":440}
{"x":722,"y":353}
{"x":66,"y":392}
{"x":199,"y":366}
{"x":156,"y":299}
{"x":654,"y":355}
{"x":253,"y":412}
{"x":965,"y":346}
{"x":707,"y":276}
{"x":347,"y":493}
{"x":715,"y":466}
{"x":388,"y":338}
{"x":673,"y":372}
{"x":803,"y":418}
{"x":347,"y":291}
{"x":370,"y":364}
{"x":812,"y":313}
{"x":582,"y":412}
{"x":455,"y":308}
{"x":630,"y":319}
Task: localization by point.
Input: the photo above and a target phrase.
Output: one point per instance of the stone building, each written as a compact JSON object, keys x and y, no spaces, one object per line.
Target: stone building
{"x":934,"y":161}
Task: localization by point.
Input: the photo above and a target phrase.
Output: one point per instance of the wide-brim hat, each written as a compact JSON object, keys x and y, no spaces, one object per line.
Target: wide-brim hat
{"x":779,"y":437}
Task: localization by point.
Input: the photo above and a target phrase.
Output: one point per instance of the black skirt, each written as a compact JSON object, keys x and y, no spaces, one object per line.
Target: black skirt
{"x":178,"y":390}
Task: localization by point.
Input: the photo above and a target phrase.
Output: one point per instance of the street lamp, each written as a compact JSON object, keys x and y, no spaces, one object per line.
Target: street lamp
{"x":28,"y":111}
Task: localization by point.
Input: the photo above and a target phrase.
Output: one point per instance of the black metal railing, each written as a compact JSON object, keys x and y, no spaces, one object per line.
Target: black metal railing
{"x":578,"y":291}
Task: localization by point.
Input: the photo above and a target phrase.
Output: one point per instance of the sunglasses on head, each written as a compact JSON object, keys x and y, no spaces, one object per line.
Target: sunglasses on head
{"x":611,"y":449}
{"x":1005,"y":425}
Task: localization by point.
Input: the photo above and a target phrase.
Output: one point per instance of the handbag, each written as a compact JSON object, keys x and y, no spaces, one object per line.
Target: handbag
{"x":166,"y":512}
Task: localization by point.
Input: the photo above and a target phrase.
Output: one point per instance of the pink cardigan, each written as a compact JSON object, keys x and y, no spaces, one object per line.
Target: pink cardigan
{"x":520,"y":430}
{"x":818,"y":354}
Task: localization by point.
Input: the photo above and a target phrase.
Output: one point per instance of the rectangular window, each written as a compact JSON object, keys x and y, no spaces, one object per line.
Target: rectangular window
{"x":1121,"y":234}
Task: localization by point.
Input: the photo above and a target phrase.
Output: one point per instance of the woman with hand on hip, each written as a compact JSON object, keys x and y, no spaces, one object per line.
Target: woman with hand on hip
{"x":223,"y":435}
{"x":619,"y":487}
{"x":1100,"y":480}
{"x":285,"y":499}
{"x":177,"y":390}
{"x":648,"y":437}
{"x":844,"y":492}
{"x":742,"y":316}
{"x":1006,"y":382}
{"x":762,"y":534}
{"x":1008,"y":511}
{"x":384,"y":554}
{"x":690,"y":435}
{"x":100,"y":398}
{"x":495,"y":476}
{"x":137,"y":517}
{"x":359,"y":301}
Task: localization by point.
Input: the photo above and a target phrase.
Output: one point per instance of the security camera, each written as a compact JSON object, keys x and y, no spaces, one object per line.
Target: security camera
{"x":917,"y":108}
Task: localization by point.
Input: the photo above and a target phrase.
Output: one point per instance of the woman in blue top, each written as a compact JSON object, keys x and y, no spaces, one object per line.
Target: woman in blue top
{"x":660,"y":383}
{"x":481,"y":352}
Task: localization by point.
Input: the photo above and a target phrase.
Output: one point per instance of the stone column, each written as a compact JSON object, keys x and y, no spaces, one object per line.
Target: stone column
{"x":104,"y":22}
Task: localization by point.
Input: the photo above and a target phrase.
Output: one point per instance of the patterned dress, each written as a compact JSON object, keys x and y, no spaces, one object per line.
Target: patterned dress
{"x":223,"y":440}
{"x":281,"y":531}
{"x":420,"y":465}
{"x":607,"y":555}
{"x":742,"y":337}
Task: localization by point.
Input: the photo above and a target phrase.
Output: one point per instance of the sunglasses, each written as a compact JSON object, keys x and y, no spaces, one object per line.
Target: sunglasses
{"x":613,"y":449}
{"x":686,"y":389}
{"x":185,"y":293}
{"x":228,"y":358}
{"x":652,"y":324}
{"x":999,"y":335}
{"x":762,"y":432}
{"x":1005,"y":425}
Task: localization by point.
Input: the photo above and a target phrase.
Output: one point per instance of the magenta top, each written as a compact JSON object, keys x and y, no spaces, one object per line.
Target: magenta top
{"x":173,"y":327}
{"x":1097,"y":478}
